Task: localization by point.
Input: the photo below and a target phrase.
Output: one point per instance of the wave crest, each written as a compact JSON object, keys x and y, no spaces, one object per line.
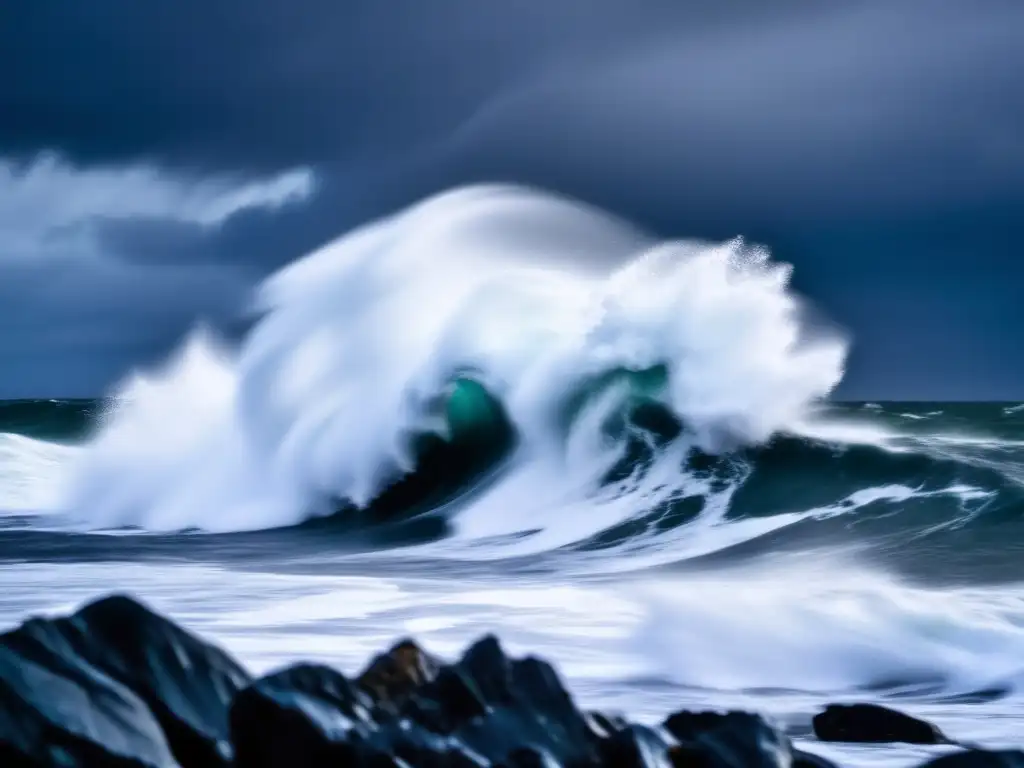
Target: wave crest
{"x":359,"y":344}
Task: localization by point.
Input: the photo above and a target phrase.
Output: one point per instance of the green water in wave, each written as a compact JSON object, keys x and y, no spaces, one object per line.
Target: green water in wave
{"x":480,"y":435}
{"x":472,"y":412}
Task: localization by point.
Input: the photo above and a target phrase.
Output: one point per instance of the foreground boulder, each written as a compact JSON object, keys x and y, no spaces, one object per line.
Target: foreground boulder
{"x":187,"y":684}
{"x":873,"y":724}
{"x":735,"y":740}
{"x":305,"y":715}
{"x":58,"y":710}
{"x":124,"y":678}
{"x":732,"y":739}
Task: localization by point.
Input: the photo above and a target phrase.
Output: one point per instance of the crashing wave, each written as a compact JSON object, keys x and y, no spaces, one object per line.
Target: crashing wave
{"x":560,"y":315}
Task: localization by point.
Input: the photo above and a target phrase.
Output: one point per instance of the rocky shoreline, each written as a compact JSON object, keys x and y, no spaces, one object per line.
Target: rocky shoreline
{"x":115,"y":684}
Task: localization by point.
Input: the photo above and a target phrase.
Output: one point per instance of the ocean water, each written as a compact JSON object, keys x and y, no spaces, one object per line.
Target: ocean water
{"x":504,"y":412}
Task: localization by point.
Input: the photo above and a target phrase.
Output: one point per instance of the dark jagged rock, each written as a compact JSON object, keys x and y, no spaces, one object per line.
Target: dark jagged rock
{"x":56,"y":709}
{"x":979,"y":758}
{"x":391,"y":677}
{"x":871,"y":723}
{"x":603,"y":725}
{"x":312,"y":715}
{"x":124,"y":677}
{"x":185,"y":683}
{"x":486,"y":709}
{"x":637,"y":746}
{"x":495,"y":705}
{"x":303,"y":715}
{"x":731,"y":739}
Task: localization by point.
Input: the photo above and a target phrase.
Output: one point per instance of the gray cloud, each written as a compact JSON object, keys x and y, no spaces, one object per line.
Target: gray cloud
{"x":70,"y":305}
{"x":877,"y":144}
{"x":48,"y":196}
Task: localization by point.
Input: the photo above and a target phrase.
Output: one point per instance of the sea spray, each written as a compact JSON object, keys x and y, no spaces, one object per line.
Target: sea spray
{"x":322,"y":402}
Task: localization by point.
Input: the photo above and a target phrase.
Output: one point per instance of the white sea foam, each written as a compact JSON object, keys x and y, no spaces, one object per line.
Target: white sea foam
{"x":789,"y":636}
{"x":31,"y":473}
{"x":841,"y":630}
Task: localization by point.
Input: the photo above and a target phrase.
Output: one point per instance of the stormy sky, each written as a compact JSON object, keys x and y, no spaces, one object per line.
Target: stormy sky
{"x":158,"y":158}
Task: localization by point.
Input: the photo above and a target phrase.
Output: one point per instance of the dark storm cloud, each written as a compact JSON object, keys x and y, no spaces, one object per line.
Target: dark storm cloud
{"x":877,"y":145}
{"x":870,"y":109}
{"x":271,"y":83}
{"x":67,"y":330}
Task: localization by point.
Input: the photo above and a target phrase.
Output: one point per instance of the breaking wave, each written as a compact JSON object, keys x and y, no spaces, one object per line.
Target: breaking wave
{"x":482,"y":309}
{"x":538,"y":375}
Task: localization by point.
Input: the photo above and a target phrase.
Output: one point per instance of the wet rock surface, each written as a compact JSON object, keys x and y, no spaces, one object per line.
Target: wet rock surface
{"x":731,"y":739}
{"x":873,"y":724}
{"x":116,"y":684}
